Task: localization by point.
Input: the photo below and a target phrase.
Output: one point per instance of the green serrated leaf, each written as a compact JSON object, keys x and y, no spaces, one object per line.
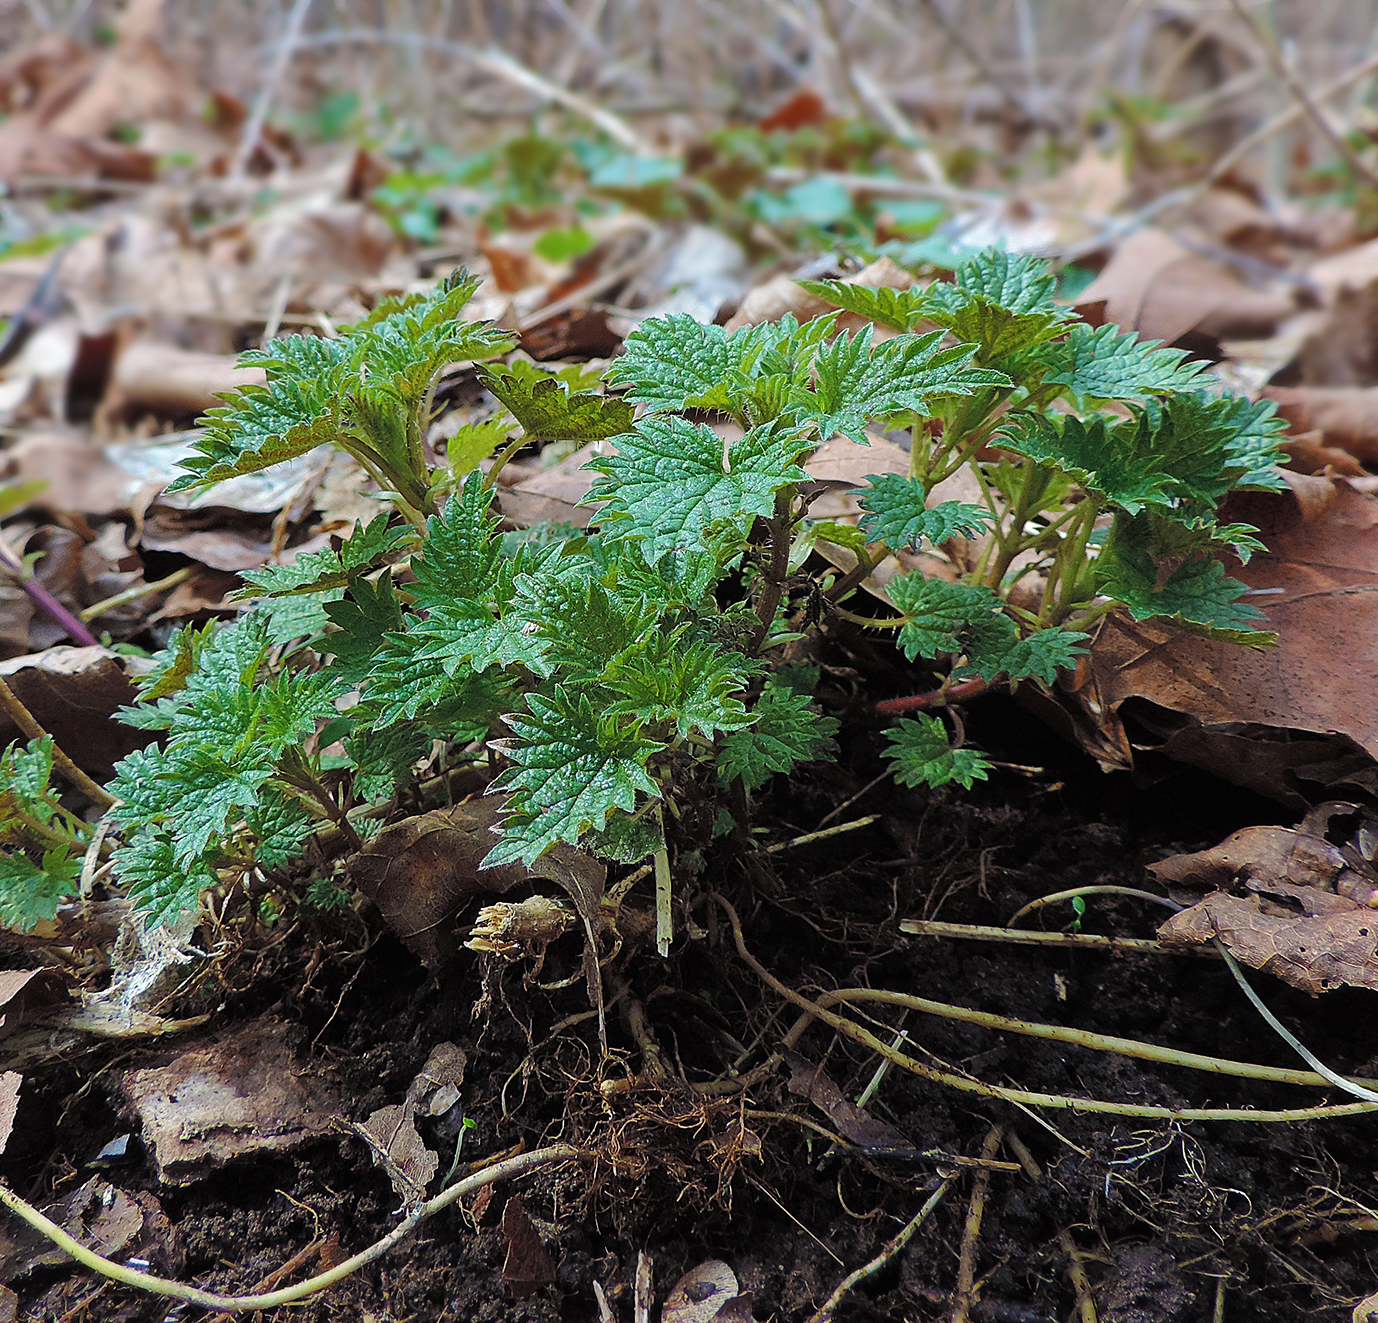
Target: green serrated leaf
{"x":896,"y":514}
{"x":30,"y":893}
{"x":361,"y":621}
{"x":1104,"y":363}
{"x":922,"y":755}
{"x":318,"y":571}
{"x":258,"y":427}
{"x":175,"y":663}
{"x":901,"y":310}
{"x":786,"y":731}
{"x":547,"y":410}
{"x":935,"y":611}
{"x":856,"y":382}
{"x":1160,"y":568}
{"x":669,"y":678}
{"x":384,"y":757}
{"x":162,"y":884}
{"x":471,"y":445}
{"x":461,"y":557}
{"x":572,"y":768}
{"x":670,"y":482}
{"x":1001,"y":302}
{"x":400,"y":352}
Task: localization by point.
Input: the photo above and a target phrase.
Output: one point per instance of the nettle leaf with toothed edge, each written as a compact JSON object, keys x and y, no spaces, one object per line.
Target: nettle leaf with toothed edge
{"x":670,"y":678}
{"x":30,"y":893}
{"x":1104,"y":363}
{"x":896,"y":514}
{"x":922,"y":755}
{"x":258,"y":427}
{"x":786,"y":730}
{"x":669,"y":482}
{"x":1001,"y":302}
{"x":318,"y":571}
{"x":674,"y":363}
{"x":162,"y":884}
{"x":934,"y":610}
{"x":1256,"y":446}
{"x":899,"y":309}
{"x":546,"y":409}
{"x":857,"y":382}
{"x":1162,"y":569}
{"x":572,"y":769}
{"x":461,"y":557}
{"x":1165,"y":454}
{"x":402,"y":350}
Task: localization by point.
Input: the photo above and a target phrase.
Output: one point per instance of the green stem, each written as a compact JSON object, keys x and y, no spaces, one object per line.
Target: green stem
{"x":777,"y":571}
{"x":869,"y":622}
{"x":504,"y":455}
{"x":36,"y":827}
{"x":142,"y":1281}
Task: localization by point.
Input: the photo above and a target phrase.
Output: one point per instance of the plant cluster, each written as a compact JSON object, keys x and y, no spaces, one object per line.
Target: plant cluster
{"x":633,"y":673}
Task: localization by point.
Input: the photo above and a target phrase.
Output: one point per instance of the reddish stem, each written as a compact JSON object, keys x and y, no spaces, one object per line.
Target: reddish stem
{"x":894,"y":707}
{"x":45,"y":601}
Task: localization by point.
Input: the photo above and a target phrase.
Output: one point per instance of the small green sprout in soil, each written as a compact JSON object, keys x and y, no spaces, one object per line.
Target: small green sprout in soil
{"x":631,"y":679}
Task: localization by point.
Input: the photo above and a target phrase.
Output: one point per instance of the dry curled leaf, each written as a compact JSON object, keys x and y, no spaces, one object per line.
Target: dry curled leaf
{"x":1315,"y":584}
{"x":1308,"y":912}
{"x":808,"y":1080}
{"x":422,"y":871}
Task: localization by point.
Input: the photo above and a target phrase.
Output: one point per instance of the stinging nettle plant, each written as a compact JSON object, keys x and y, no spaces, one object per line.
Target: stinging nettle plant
{"x":633,"y":673}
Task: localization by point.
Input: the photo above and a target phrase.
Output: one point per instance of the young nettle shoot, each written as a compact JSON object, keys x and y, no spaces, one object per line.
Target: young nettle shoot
{"x":631,"y":675}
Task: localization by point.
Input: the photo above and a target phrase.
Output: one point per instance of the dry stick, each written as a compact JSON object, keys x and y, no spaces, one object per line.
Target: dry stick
{"x":1125,"y":1047}
{"x":1032,"y":937}
{"x":496,"y":62}
{"x":826,"y":1311}
{"x":24,"y":719}
{"x":1303,"y":98}
{"x":1019,"y":1097}
{"x":499,"y":1171}
{"x":136,"y":592}
{"x":965,"y":1294}
{"x":813,"y":836}
{"x":258,"y":117}
{"x":1076,"y":1268}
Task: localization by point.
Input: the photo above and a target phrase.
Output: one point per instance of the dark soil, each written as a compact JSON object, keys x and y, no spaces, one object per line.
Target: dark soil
{"x":1162,"y":1212}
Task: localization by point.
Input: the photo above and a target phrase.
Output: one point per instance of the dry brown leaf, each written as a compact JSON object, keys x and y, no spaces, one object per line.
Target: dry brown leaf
{"x":1307,"y":452}
{"x":808,"y":1080}
{"x":528,"y":1266}
{"x":422,"y":871}
{"x":80,"y":477}
{"x":9,"y":1104}
{"x":243,"y":1093}
{"x":1155,"y":285}
{"x":1308,"y":912}
{"x":73,"y":694}
{"x":397,"y":1147}
{"x":172,"y":382}
{"x":1321,"y":576}
{"x":700,"y":1295}
{"x":1346,"y":417}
